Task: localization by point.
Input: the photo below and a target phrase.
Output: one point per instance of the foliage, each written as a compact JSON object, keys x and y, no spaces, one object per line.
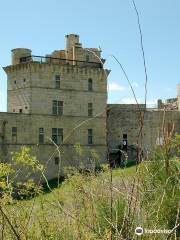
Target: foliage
{"x":161,"y":188}
{"x":108,"y":204}
{"x":24,"y":158}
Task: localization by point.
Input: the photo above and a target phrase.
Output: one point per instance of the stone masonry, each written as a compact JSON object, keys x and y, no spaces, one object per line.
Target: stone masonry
{"x":62,"y":99}
{"x":125,"y":119}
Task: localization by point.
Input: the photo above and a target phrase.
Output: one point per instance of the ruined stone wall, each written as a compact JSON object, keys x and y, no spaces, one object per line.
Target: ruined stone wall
{"x":125,"y":119}
{"x":84,"y":54}
{"x":153,"y":126}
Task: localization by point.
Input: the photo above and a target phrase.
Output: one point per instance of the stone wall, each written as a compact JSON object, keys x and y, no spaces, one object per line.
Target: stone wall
{"x":27,"y":134}
{"x":125,"y":119}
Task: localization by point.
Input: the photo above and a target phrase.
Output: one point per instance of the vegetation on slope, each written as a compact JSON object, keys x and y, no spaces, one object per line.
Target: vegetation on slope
{"x":109,"y":204}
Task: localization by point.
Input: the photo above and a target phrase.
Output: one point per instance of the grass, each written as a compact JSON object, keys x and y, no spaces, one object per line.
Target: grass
{"x":80,"y":208}
{"x":98,"y":205}
{"x":127,"y":171}
{"x":66,"y":186}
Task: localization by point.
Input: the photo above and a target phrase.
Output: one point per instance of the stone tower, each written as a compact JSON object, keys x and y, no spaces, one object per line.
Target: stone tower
{"x":60,"y":97}
{"x":65,"y":75}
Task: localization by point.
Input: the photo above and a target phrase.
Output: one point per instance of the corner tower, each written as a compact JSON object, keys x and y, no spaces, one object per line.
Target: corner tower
{"x":34,"y":82}
{"x":19,"y":82}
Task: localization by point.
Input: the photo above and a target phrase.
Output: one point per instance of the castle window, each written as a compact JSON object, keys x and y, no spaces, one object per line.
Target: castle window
{"x":56,"y":160}
{"x":14,"y":134}
{"x":57,"y":81}
{"x":87,"y":58}
{"x":14,"y":131}
{"x":20,"y":110}
{"x":41,"y":135}
{"x":90,"y":136}
{"x":57,"y":135}
{"x":90,"y":84}
{"x":125,"y":142}
{"x":90,"y":109}
{"x":15,"y":82}
{"x":57,"y":108}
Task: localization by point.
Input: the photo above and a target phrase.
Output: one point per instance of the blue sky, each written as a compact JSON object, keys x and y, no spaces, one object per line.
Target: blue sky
{"x":110,"y":24}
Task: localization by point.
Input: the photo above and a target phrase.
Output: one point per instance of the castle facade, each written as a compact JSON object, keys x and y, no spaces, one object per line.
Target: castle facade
{"x":59,"y":101}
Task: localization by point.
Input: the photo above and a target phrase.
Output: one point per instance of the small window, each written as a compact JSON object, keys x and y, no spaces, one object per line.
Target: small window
{"x":57,"y":135}
{"x":90,"y":109}
{"x":57,"y":108}
{"x":57,"y":81}
{"x":14,"y":131}
{"x":90,"y":84}
{"x":41,"y":135}
{"x":90,"y":136}
{"x":14,"y":134}
{"x":125,"y":144}
{"x":87,"y":58}
{"x":56,"y":160}
{"x":20,"y":110}
{"x":15,"y":82}
{"x":24,"y":80}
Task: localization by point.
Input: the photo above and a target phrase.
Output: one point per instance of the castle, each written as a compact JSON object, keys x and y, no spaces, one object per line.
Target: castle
{"x":61,"y":100}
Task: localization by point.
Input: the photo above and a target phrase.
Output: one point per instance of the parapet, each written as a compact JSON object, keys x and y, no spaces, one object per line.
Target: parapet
{"x":19,"y":54}
{"x":127,"y":107}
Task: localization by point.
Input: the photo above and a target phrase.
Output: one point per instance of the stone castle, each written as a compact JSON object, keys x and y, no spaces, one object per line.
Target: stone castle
{"x":61,"y":100}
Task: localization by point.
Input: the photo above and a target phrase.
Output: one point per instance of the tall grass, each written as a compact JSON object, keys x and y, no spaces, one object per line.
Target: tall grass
{"x":87,"y":205}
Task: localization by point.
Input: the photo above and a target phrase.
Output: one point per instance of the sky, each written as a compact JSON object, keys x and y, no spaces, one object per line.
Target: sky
{"x":109,"y":24}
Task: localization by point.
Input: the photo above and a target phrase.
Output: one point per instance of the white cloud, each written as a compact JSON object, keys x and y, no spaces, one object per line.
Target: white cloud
{"x":135,"y":84}
{"x":115,"y":87}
